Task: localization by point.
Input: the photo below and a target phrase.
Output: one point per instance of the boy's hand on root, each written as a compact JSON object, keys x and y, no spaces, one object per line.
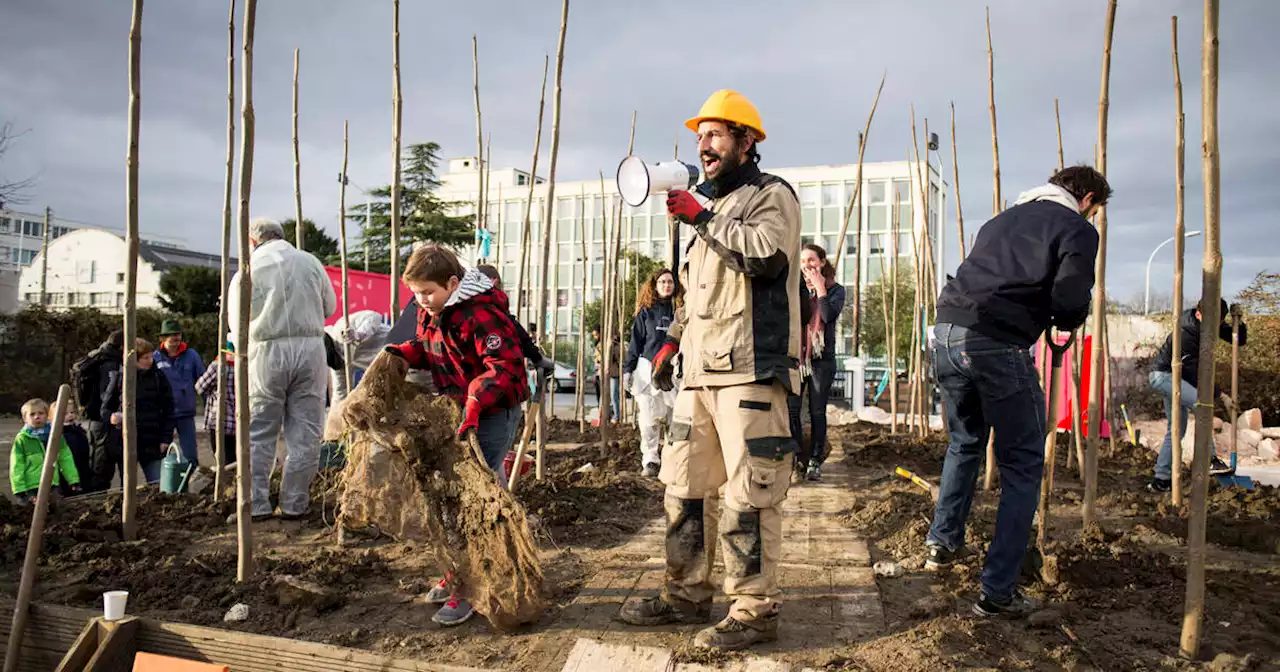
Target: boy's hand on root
{"x":394,"y":361}
{"x":470,"y":418}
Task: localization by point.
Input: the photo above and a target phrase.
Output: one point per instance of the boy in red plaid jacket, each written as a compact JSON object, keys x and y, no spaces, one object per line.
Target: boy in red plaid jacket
{"x":467,"y":340}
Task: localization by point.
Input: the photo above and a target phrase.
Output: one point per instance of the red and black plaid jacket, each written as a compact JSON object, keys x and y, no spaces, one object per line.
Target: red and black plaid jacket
{"x":472,"y":351}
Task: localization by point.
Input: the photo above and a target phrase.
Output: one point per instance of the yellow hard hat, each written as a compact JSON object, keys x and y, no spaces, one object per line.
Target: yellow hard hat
{"x":729,"y":106}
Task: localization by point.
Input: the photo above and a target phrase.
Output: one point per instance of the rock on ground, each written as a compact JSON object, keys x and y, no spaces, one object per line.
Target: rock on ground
{"x":1252,"y":419}
{"x":1269,"y":449}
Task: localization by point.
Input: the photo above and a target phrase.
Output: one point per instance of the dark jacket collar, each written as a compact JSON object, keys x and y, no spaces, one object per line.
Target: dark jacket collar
{"x":726,"y":184}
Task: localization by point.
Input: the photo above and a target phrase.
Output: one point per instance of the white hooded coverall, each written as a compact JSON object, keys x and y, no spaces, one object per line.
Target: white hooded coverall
{"x":654,"y":407}
{"x":292,"y":297}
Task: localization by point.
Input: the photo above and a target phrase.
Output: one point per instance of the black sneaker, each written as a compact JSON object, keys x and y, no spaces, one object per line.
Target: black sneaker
{"x":940,"y":556}
{"x":657,"y":611}
{"x":1159,"y":485}
{"x":1017,"y":606}
{"x":1219,"y":468}
{"x":814,"y":473}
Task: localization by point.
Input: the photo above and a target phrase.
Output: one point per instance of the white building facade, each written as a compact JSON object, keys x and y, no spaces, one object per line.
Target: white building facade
{"x":86,"y":269}
{"x":22,"y":236}
{"x":581,"y":208}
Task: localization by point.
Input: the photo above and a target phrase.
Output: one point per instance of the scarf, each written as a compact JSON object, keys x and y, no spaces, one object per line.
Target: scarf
{"x":1050,"y":192}
{"x":813,"y":339}
{"x":473,"y":283}
{"x":41,"y":433}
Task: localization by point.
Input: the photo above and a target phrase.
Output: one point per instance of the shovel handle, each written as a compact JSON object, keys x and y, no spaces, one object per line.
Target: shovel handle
{"x":1059,"y":350}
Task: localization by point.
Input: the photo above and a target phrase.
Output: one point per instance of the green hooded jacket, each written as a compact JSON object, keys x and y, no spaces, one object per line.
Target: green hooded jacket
{"x":27,"y":459}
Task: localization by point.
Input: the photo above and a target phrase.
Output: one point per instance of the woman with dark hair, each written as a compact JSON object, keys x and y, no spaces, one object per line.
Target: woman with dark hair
{"x":655,"y":310}
{"x":821,"y":300}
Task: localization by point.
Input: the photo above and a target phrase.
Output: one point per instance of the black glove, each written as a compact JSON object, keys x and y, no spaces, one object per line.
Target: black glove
{"x":664,"y":368}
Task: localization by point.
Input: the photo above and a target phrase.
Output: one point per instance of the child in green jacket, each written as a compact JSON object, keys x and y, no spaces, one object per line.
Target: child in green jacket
{"x":27,"y":459}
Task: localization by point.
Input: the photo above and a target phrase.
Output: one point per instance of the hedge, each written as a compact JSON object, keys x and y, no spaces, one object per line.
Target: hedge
{"x":38,"y":346}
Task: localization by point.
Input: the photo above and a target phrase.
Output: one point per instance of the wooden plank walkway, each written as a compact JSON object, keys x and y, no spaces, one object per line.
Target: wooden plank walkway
{"x":828,"y":590}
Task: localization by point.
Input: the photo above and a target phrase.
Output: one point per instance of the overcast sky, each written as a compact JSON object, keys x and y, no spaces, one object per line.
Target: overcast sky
{"x":810,"y":67}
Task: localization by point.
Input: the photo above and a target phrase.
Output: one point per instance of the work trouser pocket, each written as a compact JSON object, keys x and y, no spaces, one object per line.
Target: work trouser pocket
{"x":763,"y":482}
{"x":674,"y":470}
{"x":763,"y":475}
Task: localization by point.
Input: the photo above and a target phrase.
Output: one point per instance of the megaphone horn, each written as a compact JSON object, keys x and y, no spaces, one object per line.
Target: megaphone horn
{"x":637,"y":179}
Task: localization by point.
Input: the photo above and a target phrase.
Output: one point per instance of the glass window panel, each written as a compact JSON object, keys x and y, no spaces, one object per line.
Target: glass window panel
{"x":808,"y":195}
{"x":564,"y":230}
{"x":873,"y":273}
{"x":831,"y":219}
{"x":565,"y":273}
{"x":809,"y":220}
{"x":513,"y":211}
{"x":640,"y":226}
{"x":597,"y":252}
{"x":597,"y":229}
{"x":877,"y":217}
{"x":566,"y":207}
{"x":831,"y":195}
{"x":659,"y":250}
{"x":904,"y":244}
{"x":597,"y":270}
{"x":875,"y":192}
{"x":569,"y":253}
{"x":903,"y":189}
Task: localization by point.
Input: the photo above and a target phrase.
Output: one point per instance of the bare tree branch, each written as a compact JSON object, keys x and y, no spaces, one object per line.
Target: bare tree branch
{"x":12,"y":193}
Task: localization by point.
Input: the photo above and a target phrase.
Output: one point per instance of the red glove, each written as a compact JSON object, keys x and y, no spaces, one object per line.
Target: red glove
{"x":684,"y":207}
{"x":664,"y":368}
{"x":470,"y":417}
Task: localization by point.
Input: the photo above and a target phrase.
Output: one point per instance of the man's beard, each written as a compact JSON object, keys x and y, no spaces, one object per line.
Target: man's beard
{"x":728,"y":163}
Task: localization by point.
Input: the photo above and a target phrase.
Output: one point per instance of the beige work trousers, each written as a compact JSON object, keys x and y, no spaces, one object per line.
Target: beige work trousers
{"x":737,"y":438}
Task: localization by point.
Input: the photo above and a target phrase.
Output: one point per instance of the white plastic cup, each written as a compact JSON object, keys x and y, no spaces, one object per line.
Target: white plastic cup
{"x":113,"y":602}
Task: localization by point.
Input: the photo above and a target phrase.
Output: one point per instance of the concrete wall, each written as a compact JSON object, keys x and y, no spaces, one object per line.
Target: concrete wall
{"x":9,"y":292}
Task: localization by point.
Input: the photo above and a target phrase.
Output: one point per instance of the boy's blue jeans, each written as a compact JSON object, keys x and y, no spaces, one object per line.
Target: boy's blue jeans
{"x":496,"y":433}
{"x":1162,"y":382}
{"x":989,"y":384}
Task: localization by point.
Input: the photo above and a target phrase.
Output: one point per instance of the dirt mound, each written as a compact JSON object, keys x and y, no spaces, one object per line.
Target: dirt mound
{"x":566,"y":431}
{"x":440,"y":492}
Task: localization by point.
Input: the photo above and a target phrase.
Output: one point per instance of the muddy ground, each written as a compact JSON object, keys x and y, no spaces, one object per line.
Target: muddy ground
{"x":1117,"y":598}
{"x":183,"y":567}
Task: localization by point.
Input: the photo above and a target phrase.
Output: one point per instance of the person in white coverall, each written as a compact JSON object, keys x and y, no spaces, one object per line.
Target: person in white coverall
{"x":367,"y":337}
{"x":292,"y":297}
{"x":655,"y":308}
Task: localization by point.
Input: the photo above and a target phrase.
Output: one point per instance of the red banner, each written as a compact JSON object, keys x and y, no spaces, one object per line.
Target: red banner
{"x":368,"y":291}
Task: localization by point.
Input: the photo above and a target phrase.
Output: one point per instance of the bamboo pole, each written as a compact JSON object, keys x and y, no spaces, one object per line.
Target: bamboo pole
{"x":555,"y":318}
{"x":1057,"y":120}
{"x":219,"y":437}
{"x":1179,"y":256}
{"x":397,"y":114}
{"x":580,"y":389}
{"x":1193,"y":614}
{"x":488,"y":176}
{"x":927,"y":291}
{"x":955,"y":172}
{"x":300,"y":231}
{"x":606,"y":292}
{"x":342,"y":249}
{"x":551,"y":212}
{"x":893,"y":311}
{"x":481,"y":200}
{"x":35,"y":538}
{"x":1106,"y":387}
{"x":1098,"y":355}
{"x":244,"y":475}
{"x":525,"y":234}
{"x":502,"y":238}
{"x":44,"y":258}
{"x":129,"y":392}
{"x":991,"y":103}
{"x":854,"y":199}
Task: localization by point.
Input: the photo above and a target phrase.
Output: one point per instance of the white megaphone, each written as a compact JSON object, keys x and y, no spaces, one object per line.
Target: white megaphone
{"x":637,"y":179}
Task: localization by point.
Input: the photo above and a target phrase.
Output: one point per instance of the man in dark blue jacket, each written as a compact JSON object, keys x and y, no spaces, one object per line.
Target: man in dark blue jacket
{"x":183,"y":367}
{"x":1030,"y":268}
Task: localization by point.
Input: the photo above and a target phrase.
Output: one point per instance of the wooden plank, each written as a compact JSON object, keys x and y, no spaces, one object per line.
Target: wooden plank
{"x":592,"y":656}
{"x":80,"y":653}
{"x":116,"y":646}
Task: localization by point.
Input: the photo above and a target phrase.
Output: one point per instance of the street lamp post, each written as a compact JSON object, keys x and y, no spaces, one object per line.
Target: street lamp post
{"x":1146,"y":300}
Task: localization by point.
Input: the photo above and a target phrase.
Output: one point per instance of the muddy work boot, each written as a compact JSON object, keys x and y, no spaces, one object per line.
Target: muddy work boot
{"x":657,"y":611}
{"x":732,"y":634}
{"x":814,"y":472}
{"x":1160,"y":485}
{"x":1219,"y":468}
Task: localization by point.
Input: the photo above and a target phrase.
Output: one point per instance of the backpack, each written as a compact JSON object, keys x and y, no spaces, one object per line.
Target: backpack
{"x":87,"y":385}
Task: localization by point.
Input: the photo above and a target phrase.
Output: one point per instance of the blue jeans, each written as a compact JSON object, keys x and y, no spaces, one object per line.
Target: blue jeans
{"x":818,"y":388}
{"x":1162,"y":382}
{"x":614,"y":397}
{"x":187,"y":438}
{"x":496,"y":433}
{"x":151,"y":470}
{"x":989,"y":384}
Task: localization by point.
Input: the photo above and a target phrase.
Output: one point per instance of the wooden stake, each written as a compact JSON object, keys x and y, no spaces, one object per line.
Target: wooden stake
{"x":1179,"y":256}
{"x":219,"y":437}
{"x":481,"y":201}
{"x":397,"y":113}
{"x":580,"y":388}
{"x":991,"y":103}
{"x":35,"y":538}
{"x":1193,"y":614}
{"x":342,"y":249}
{"x":525,"y":234}
{"x":893,"y":311}
{"x":549,"y":220}
{"x":244,"y":475}
{"x":857,"y":193}
{"x":129,"y":392}
{"x":299,"y":229}
{"x":1098,"y":354}
{"x":1057,"y":120}
{"x":955,"y":173}
{"x":44,"y":258}
{"x":488,"y":176}
{"x":555,"y":319}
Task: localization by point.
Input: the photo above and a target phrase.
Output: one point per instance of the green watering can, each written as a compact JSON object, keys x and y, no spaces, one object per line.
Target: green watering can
{"x":175,"y":470}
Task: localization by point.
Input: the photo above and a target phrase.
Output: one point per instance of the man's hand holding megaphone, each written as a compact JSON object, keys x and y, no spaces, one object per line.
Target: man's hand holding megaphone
{"x":684,"y":207}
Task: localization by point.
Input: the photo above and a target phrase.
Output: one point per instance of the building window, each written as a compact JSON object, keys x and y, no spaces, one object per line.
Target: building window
{"x":119,"y":299}
{"x":30,"y":228}
{"x":27,"y":256}
{"x":521,"y":180}
{"x":73,"y":299}
{"x":4,"y":225}
{"x":119,"y":278}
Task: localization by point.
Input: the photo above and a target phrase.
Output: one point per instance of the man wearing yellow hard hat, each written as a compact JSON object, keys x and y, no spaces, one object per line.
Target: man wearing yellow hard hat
{"x":738,"y":335}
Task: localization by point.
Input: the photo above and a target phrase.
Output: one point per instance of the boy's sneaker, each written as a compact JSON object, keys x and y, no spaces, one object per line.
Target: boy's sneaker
{"x":1160,"y":485}
{"x":454,"y":612}
{"x":814,"y":472}
{"x":1218,"y":467}
{"x":439,"y":593}
{"x":1017,"y":606}
{"x":651,"y":470}
{"x":657,"y":611}
{"x":939,"y":556}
